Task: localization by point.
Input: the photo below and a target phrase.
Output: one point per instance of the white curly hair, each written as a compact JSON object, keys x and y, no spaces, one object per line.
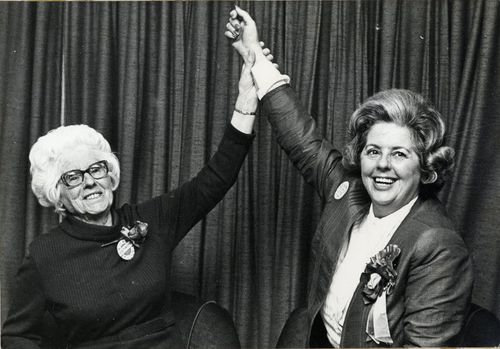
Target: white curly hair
{"x":47,"y":154}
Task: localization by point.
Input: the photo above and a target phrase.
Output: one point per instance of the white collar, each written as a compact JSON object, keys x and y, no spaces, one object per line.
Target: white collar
{"x":391,"y":220}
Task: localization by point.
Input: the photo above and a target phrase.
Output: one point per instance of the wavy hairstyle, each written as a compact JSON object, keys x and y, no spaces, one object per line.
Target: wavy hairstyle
{"x":409,"y":109}
{"x":47,"y":155}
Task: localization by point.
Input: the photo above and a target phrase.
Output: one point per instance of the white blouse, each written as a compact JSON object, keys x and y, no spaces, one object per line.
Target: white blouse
{"x":367,"y":238}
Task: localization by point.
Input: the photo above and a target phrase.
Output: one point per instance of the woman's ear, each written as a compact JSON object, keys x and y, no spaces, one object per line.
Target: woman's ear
{"x":114,"y":183}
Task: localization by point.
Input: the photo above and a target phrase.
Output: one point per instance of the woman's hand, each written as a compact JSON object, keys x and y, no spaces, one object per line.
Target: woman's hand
{"x":242,"y":29}
{"x":245,"y":41}
{"x":247,"y":100}
{"x":247,"y":97}
{"x":267,"y":53}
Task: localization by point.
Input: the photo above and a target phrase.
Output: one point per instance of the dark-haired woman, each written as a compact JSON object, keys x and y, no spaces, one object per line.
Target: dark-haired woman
{"x":387,"y":266}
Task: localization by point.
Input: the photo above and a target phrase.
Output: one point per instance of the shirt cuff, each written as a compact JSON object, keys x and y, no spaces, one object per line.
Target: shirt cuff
{"x":266,"y":77}
{"x":237,"y":136}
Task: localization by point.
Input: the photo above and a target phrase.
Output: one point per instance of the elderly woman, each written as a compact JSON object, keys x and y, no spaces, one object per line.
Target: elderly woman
{"x":387,"y":266}
{"x":103,"y":274}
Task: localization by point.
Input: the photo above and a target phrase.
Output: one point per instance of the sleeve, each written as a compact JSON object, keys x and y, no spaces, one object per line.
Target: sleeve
{"x":438,"y":290}
{"x":266,"y":77}
{"x":296,"y":131}
{"x":183,"y":207}
{"x":23,"y":325}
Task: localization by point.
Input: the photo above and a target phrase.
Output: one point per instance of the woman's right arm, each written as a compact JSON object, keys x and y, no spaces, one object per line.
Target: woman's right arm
{"x":298,"y":135}
{"x":22,"y":328}
{"x":296,"y":130}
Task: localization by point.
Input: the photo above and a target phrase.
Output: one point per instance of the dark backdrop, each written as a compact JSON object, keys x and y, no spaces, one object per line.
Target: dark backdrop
{"x":159,"y":80}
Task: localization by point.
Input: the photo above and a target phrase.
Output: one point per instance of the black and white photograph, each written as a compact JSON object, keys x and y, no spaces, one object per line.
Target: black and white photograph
{"x":249,"y":174}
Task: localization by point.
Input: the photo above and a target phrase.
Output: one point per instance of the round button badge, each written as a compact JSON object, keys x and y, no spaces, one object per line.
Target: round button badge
{"x":341,"y":190}
{"x":125,"y":249}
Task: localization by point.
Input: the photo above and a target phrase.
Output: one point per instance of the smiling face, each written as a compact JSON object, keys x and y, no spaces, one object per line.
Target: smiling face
{"x":91,"y":200}
{"x":390,"y":167}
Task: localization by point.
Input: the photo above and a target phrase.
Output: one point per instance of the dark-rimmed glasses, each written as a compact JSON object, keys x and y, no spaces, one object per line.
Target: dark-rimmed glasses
{"x":74,"y":178}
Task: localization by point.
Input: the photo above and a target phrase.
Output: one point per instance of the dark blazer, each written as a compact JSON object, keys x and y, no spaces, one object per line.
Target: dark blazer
{"x":434,"y":284}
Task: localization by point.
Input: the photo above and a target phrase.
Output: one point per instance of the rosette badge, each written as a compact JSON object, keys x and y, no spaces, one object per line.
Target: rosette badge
{"x":380,"y":274}
{"x":136,"y":234}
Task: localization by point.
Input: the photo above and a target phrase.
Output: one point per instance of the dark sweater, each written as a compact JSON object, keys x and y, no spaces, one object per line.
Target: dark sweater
{"x":91,"y":292}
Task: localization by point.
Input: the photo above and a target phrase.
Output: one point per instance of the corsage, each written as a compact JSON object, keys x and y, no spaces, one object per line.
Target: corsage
{"x":378,"y":280}
{"x":132,"y":237}
{"x":380,"y":274}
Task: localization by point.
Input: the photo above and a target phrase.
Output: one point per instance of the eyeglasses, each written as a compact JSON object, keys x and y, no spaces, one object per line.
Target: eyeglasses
{"x":74,"y":178}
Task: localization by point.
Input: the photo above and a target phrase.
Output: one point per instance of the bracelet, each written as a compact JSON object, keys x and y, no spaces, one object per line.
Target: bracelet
{"x":243,"y":112}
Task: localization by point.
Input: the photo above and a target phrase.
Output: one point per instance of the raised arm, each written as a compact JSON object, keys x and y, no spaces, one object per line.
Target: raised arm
{"x":195,"y":199}
{"x":180,"y":209}
{"x":296,"y":130}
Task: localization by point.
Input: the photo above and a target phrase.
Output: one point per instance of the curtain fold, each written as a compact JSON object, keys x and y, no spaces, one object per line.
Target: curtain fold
{"x":159,"y":80}
{"x":30,"y":73}
{"x":474,"y":193}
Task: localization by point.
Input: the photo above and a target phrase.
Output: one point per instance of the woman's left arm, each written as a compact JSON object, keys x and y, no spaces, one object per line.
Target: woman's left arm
{"x":180,"y":209}
{"x":438,"y":290}
{"x":195,"y":199}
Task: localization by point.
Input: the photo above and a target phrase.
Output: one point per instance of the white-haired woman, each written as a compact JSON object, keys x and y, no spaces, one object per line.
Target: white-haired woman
{"x":103,"y":274}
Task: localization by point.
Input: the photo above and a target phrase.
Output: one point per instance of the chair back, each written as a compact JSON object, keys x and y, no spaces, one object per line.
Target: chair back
{"x":204,"y":324}
{"x":481,"y":329}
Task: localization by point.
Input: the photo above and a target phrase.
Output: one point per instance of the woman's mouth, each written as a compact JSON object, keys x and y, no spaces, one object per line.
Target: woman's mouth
{"x":92,"y":196}
{"x":383,"y":182}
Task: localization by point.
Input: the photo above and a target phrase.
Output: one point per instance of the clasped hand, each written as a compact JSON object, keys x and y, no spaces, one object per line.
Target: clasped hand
{"x":241,"y":28}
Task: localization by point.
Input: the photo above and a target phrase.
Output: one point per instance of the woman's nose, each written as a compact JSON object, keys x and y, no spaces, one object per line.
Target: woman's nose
{"x":384,"y":162}
{"x":88,"y":180}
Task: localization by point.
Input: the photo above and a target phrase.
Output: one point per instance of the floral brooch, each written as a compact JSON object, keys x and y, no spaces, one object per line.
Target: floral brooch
{"x":132,"y":237}
{"x":136,"y":234}
{"x":380,"y":274}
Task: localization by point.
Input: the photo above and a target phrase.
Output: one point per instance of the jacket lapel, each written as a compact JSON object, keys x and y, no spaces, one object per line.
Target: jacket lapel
{"x":326,"y":249}
{"x":357,"y":314}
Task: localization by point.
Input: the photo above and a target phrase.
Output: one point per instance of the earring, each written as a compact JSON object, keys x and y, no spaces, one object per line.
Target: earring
{"x":433,"y":176}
